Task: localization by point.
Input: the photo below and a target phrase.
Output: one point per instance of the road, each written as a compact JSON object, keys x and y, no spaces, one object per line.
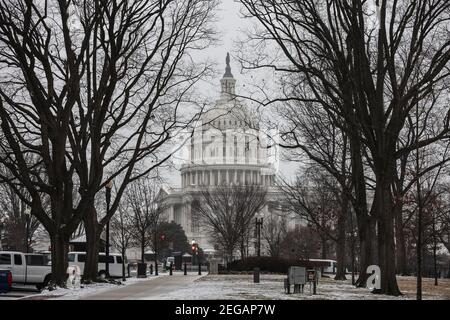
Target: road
{"x":18,"y":292}
{"x":145,"y":290}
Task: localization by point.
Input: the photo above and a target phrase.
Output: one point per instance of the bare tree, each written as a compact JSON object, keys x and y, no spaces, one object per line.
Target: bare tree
{"x":226,"y":212}
{"x":312,"y":132}
{"x":301,"y":243}
{"x":273,"y":232}
{"x":315,"y":197}
{"x":91,"y":88}
{"x":12,"y":212}
{"x":367,"y":68}
{"x":121,"y":233}
{"x":145,"y":211}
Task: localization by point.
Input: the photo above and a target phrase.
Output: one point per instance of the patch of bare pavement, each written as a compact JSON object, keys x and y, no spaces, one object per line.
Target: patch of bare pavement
{"x":145,"y":290}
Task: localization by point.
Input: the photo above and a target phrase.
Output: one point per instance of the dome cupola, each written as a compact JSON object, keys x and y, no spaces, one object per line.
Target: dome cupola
{"x":228,"y":83}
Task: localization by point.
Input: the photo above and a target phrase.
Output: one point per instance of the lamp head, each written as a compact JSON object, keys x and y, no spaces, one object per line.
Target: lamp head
{"x":109,"y":184}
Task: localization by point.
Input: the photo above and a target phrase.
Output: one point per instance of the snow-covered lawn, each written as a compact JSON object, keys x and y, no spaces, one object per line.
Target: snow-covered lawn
{"x":232,"y":287}
{"x":272,"y":287}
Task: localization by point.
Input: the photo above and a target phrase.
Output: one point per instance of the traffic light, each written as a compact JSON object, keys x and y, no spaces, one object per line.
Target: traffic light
{"x":162,"y":237}
{"x":194,"y":248}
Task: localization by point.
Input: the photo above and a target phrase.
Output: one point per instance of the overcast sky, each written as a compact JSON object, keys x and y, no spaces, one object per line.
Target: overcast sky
{"x":231,"y":27}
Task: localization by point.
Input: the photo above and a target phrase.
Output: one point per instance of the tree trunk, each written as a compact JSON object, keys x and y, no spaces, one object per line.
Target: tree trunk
{"x":386,"y":246}
{"x":230,"y":256}
{"x":365,"y":227}
{"x":143,"y":249}
{"x":365,"y":235}
{"x":60,"y":250}
{"x":435,"y":264}
{"x":402,"y":267}
{"x":123,"y":263}
{"x":341,"y":243}
{"x":242,"y":250}
{"x":324,"y":250}
{"x":93,"y":233}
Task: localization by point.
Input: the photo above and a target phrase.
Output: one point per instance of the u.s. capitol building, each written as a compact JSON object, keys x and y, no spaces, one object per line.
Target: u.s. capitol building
{"x":225,"y":148}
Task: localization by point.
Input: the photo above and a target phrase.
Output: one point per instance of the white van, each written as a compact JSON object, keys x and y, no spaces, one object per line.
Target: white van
{"x":331,"y":265}
{"x":115,"y":263}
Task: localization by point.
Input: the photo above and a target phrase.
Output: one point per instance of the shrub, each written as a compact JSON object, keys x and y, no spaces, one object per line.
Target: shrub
{"x":268,"y":264}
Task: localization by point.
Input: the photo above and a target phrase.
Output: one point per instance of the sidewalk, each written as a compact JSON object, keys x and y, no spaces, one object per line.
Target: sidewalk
{"x":146,"y":290}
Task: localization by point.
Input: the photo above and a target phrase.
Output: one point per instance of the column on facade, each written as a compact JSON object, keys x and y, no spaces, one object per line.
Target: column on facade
{"x":172,"y":213}
{"x":219,"y":176}
{"x":210,"y":178}
{"x":183,"y":215}
{"x":186,"y":217}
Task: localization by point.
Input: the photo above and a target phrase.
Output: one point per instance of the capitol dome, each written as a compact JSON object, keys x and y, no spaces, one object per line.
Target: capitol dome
{"x":226,"y":146}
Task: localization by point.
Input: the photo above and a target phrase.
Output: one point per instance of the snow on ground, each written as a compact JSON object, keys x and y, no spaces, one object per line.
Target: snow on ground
{"x":75,"y":293}
{"x":234,"y":287}
{"x":231,"y":287}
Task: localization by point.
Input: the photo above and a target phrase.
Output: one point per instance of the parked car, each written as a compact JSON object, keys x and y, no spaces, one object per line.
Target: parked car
{"x":170,"y":261}
{"x":26,"y":268}
{"x":115,"y":263}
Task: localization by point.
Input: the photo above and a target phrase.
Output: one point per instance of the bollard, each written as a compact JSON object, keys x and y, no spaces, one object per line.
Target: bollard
{"x":185,"y":269}
{"x":151,"y":269}
{"x":256,"y":275}
{"x":199,"y":268}
{"x":314,"y":286}
{"x":170,"y":270}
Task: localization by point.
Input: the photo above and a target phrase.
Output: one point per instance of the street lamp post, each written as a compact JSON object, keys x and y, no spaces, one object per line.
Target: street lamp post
{"x":108,"y":201}
{"x":27,"y":231}
{"x":1,"y":233}
{"x":195,"y":253}
{"x":155,"y":247}
{"x":259,"y":223}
